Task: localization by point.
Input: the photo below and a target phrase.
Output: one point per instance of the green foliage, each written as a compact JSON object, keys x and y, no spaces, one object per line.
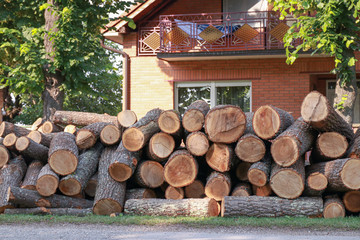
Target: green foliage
{"x":324,"y":26}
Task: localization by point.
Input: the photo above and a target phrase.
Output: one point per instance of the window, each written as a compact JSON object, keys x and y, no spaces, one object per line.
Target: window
{"x":215,"y":93}
{"x":330,"y":94}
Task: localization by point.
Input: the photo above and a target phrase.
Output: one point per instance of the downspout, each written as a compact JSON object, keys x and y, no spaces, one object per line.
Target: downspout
{"x":126,"y":74}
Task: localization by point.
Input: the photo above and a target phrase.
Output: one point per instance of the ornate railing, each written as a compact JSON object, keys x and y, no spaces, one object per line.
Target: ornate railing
{"x":213,"y":32}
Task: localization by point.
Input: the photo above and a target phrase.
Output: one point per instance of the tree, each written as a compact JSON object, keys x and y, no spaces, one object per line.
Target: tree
{"x":51,"y":56}
{"x":330,"y":27}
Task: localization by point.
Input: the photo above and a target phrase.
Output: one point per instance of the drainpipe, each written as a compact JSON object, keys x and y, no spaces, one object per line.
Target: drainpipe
{"x":126,"y":74}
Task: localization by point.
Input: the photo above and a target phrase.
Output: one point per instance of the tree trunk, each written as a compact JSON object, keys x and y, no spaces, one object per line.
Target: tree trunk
{"x":7,"y":128}
{"x":41,"y":138}
{"x":149,"y":174}
{"x":241,"y":171}
{"x":194,"y":116}
{"x":242,"y":190}
{"x":47,"y":182}
{"x":181,"y":169}
{"x":110,"y":135}
{"x":174,"y":193}
{"x":316,"y":110}
{"x":91,"y":185}
{"x":32,"y":199}
{"x":250,"y":148}
{"x":50,"y":211}
{"x":333,"y":207}
{"x":123,"y":163}
{"x":4,"y":155}
{"x":10,"y":176}
{"x":206,"y":207}
{"x":220,"y":157}
{"x":351,"y":201}
{"x":140,"y":193}
{"x":160,"y":146}
{"x":342,"y":174}
{"x":263,"y":191}
{"x":74,"y":183}
{"x":225,"y":123}
{"x":197,"y":143}
{"x":32,"y":174}
{"x":110,"y":194}
{"x":255,"y":206}
{"x":217,"y":185}
{"x":195,"y":190}
{"x":259,"y":172}
{"x":63,"y":154}
{"x":138,"y":135}
{"x":30,"y":149}
{"x":293,"y":143}
{"x":269,"y":121}
{"x":288,"y":182}
{"x":87,"y":136}
{"x":126,"y":118}
{"x":50,"y":127}
{"x":81,"y":118}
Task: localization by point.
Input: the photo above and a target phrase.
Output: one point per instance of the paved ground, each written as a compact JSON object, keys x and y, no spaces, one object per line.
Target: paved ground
{"x":89,"y":231}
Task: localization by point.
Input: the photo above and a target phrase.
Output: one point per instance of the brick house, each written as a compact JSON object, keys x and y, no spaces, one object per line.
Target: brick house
{"x":223,"y":51}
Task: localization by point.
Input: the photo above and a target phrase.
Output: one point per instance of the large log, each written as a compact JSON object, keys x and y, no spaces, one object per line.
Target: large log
{"x":195,"y":190}
{"x":149,"y":174}
{"x":81,"y":118}
{"x":250,"y":148}
{"x":4,"y":155}
{"x":30,"y":149}
{"x":50,"y":211}
{"x":329,"y":146}
{"x":110,"y":135}
{"x":197,"y":143}
{"x":123,"y":163}
{"x":181,"y":169}
{"x":293,"y":143}
{"x":74,"y":183}
{"x":160,"y":146}
{"x":255,"y":206}
{"x":50,"y":127}
{"x":87,"y":136}
{"x":91,"y":186}
{"x":63,"y":153}
{"x":47,"y":182}
{"x":351,"y":201}
{"x":32,"y":199}
{"x":7,"y":128}
{"x":225,"y":123}
{"x":174,"y":193}
{"x":259,"y":172}
{"x":10,"y":141}
{"x":288,"y":182}
{"x":194,"y":116}
{"x":138,"y":135}
{"x":32,"y":174}
{"x":218,"y":185}
{"x":220,"y":157}
{"x":317,"y":111}
{"x":110,"y":194}
{"x":242,"y":189}
{"x":140,"y":193}
{"x":10,"y":176}
{"x":342,"y":174}
{"x":170,"y":122}
{"x":206,"y":207}
{"x":333,"y":207}
{"x":41,"y":138}
{"x":126,"y":118}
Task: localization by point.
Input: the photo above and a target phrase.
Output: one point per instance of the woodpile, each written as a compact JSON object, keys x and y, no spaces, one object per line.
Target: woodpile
{"x":206,"y":162}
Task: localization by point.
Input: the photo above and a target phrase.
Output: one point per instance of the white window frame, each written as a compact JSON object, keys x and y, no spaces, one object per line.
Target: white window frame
{"x":213,"y":85}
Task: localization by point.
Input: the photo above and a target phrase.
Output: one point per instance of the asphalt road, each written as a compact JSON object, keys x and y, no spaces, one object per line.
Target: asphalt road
{"x":89,"y":231}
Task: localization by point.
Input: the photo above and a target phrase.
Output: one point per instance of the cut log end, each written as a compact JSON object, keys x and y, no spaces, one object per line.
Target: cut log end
{"x":133,"y":139}
{"x":70,"y":187}
{"x":120,"y":172}
{"x":169,"y":122}
{"x":110,"y":135}
{"x":257,"y":177}
{"x":217,"y":188}
{"x":333,"y":208}
{"x":197,"y":144}
{"x":10,"y":140}
{"x":317,"y":181}
{"x":285,"y":151}
{"x":107,"y":207}
{"x":85,"y":139}
{"x":218,"y":157}
{"x":287,"y":183}
{"x":2,"y":129}
{"x":47,"y":185}
{"x":152,"y":174}
{"x":350,"y":174}
{"x":195,"y":190}
{"x":22,"y":143}
{"x":162,"y":145}
{"x":174,"y":193}
{"x":314,"y":107}
{"x":35,"y":136}
{"x":214,"y":209}
{"x":352,"y":201}
{"x":180,"y":171}
{"x":193,"y":120}
{"x":126,"y":118}
{"x":266,"y":122}
{"x":70,"y":129}
{"x":332,"y":144}
{"x":63,"y":162}
{"x":251,"y":149}
{"x":4,"y":155}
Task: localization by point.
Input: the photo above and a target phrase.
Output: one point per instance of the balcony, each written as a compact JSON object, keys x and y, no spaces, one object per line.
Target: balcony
{"x":213,"y":32}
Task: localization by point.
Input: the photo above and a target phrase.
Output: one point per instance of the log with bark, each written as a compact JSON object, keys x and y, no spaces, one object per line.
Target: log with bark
{"x":220,"y":157}
{"x":354,"y":149}
{"x":269,"y":121}
{"x":249,"y":123}
{"x":206,"y":207}
{"x":30,"y":149}
{"x":7,"y":128}
{"x":225,"y":123}
{"x":4,"y":155}
{"x":47,"y":182}
{"x":123,"y":163}
{"x":87,"y":136}
{"x":263,"y":191}
{"x":41,"y":138}
{"x":174,"y":193}
{"x":195,"y":190}
{"x":50,"y":211}
{"x":181,"y":169}
{"x":32,"y":199}
{"x":317,"y":111}
{"x":10,"y":141}
{"x":110,"y":135}
{"x":342,"y":174}
{"x":241,"y":170}
{"x":351,"y":201}
{"x":139,"y":193}
{"x":126,"y":118}
{"x":139,"y":134}
{"x":194,"y":116}
{"x":288,"y":182}
{"x":250,"y":148}
{"x":218,"y":185}
{"x":293,"y":143}
{"x":10,"y":176}
{"x":110,"y":194}
{"x":197,"y":143}
{"x":160,"y":146}
{"x":50,"y":127}
{"x":242,"y":189}
{"x":329,"y":146}
{"x":32,"y":174}
{"x":63,"y":153}
{"x":315,"y":183}
{"x":149,"y":174}
{"x":75,"y":183}
{"x":259,"y":172}
{"x":90,"y":188}
{"x":333,"y":207}
{"x":81,"y":118}
{"x":256,"y":206}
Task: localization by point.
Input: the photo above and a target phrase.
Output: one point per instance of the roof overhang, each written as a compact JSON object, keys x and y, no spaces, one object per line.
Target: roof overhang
{"x":114,"y":37}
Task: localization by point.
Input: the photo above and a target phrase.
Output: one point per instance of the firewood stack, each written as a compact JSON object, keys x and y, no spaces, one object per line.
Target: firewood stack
{"x":206,"y":162}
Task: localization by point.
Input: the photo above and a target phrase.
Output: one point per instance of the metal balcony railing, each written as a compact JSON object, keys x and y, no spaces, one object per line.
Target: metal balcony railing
{"x":213,"y":32}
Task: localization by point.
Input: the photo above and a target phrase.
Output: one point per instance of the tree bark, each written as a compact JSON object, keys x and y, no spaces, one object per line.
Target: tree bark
{"x":160,"y":146}
{"x":197,"y":143}
{"x":217,"y":185}
{"x":7,"y":128}
{"x":250,"y":148}
{"x":351,"y":201}
{"x":220,"y":157}
{"x":110,"y":135}
{"x":206,"y":207}
{"x":174,"y":193}
{"x":50,"y":211}
{"x":255,"y":206}
{"x":75,"y":183}
{"x":50,"y":127}
{"x":41,"y":138}
{"x":91,"y":186}
{"x":149,"y":174}
{"x":87,"y":136}
{"x":354,"y":149}
{"x":195,"y":190}
{"x":333,"y":207}
{"x":242,"y":190}
{"x":4,"y":155}
{"x":269,"y":121}
{"x":259,"y":172}
{"x":31,"y":175}
{"x":47,"y":182}
{"x":30,"y":149}
{"x":140,"y":193}
{"x":81,"y":118}
{"x":194,"y":116}
{"x":225,"y":123}
{"x":249,"y":123}
{"x":126,"y":118}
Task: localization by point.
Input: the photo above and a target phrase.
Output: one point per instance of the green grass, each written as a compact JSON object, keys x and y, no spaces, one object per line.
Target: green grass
{"x":348,"y":223}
